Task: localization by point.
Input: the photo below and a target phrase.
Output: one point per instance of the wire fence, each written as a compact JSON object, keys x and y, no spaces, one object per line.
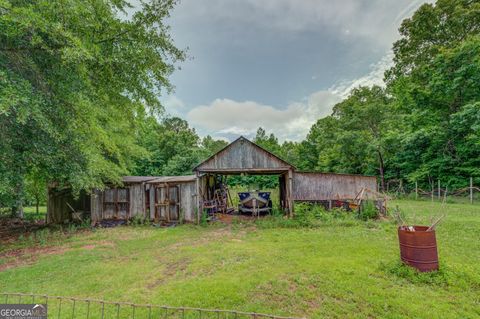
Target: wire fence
{"x":436,"y":191}
{"x":76,"y":308}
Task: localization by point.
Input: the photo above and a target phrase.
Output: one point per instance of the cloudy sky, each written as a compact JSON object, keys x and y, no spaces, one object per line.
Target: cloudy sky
{"x":278,"y":64}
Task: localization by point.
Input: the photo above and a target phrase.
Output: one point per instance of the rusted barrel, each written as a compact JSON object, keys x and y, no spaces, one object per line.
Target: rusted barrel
{"x":418,"y":248}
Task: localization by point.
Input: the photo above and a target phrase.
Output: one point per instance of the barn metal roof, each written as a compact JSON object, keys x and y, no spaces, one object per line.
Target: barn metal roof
{"x":173,"y":179}
{"x":137,"y":179}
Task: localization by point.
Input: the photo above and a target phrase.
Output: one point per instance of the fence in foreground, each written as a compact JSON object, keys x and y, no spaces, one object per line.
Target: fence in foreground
{"x":76,"y":308}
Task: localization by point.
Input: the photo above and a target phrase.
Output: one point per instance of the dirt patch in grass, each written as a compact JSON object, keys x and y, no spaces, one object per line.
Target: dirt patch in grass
{"x":229,"y":218}
{"x":26,"y":256}
{"x":12,"y":228}
{"x":170,"y":272}
{"x":102,"y":244}
{"x":21,"y":257}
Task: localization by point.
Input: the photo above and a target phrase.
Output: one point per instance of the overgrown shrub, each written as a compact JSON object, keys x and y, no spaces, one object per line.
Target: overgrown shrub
{"x":308,"y":216}
{"x":137,"y":220}
{"x":204,"y":218}
{"x":368,"y":211}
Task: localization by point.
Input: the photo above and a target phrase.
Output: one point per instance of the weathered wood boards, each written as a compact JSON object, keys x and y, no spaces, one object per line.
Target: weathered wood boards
{"x":243,"y":156}
{"x":311,"y":186}
{"x":172,"y":198}
{"x":61,"y":204}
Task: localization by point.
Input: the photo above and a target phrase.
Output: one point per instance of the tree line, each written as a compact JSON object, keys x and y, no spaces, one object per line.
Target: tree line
{"x":424,"y":124}
{"x":79,"y":102}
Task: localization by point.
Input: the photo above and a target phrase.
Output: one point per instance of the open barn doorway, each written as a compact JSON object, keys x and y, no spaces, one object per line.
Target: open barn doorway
{"x":242,"y":194}
{"x":244,"y":158}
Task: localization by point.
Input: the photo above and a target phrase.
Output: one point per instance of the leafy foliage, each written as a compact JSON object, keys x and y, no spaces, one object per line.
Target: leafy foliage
{"x":74,"y":76}
{"x":425,"y":125}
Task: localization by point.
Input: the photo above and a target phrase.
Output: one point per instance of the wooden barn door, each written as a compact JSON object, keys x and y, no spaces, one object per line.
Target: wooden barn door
{"x":167,"y":202}
{"x":116,"y":203}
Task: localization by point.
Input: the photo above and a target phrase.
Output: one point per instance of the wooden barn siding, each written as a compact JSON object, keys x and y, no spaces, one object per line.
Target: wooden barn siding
{"x":58,"y":201}
{"x":243,"y":155}
{"x":321,"y":186}
{"x":96,"y":202}
{"x":188,"y":202}
{"x":137,"y":200}
{"x":57,"y":209}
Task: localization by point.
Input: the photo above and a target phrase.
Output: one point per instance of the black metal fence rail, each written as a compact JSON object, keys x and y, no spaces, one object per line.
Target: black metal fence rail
{"x":76,"y":308}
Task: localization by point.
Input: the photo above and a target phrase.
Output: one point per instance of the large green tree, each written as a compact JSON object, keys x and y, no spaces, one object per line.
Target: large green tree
{"x":434,"y":85}
{"x":356,"y":138}
{"x":74,"y":75}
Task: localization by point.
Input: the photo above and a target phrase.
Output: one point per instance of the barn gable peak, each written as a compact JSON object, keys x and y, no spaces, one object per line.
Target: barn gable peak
{"x":242,"y":155}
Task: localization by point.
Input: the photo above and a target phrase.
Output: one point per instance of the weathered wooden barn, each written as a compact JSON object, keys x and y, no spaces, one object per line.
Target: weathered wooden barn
{"x":180,"y":198}
{"x":245,"y":157}
{"x":156,"y":198}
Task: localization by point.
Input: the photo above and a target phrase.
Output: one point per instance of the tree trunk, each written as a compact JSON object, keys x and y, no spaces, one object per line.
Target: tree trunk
{"x":37,"y":203}
{"x":18,"y":209}
{"x":381,"y":170}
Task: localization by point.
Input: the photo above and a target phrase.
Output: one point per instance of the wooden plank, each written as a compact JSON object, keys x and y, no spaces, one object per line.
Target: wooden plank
{"x":258,"y":171}
{"x":96,"y":203}
{"x":243,"y":154}
{"x":137,"y":200}
{"x":152,"y":202}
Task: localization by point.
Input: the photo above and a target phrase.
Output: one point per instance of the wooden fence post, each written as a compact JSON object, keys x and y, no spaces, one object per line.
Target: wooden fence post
{"x":439,"y":191}
{"x":432,"y":190}
{"x":471,"y":190}
{"x":416,"y":190}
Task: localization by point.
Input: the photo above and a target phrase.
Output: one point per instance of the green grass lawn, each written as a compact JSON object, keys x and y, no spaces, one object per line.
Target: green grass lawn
{"x":341,"y":269}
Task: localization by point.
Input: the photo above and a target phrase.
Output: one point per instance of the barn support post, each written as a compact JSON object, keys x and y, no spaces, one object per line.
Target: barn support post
{"x":198,"y":199}
{"x":290,"y":193}
{"x":432,"y":190}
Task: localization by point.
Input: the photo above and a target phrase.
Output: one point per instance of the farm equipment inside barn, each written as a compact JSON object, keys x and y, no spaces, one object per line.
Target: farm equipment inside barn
{"x":255,"y":202}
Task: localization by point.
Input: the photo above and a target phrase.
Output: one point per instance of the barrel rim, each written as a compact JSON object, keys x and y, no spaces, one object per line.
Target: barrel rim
{"x":418,"y":229}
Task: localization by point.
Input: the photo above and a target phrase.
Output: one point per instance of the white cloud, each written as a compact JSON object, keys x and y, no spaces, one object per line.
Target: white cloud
{"x":228,"y":117}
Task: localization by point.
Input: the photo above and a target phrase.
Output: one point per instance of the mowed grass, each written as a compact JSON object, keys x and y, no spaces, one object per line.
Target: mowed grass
{"x":345,"y":269}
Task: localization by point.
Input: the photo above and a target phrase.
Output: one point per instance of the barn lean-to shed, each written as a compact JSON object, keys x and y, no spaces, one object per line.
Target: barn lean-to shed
{"x":121,"y":202}
{"x":155,"y":198}
{"x":172,"y":198}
